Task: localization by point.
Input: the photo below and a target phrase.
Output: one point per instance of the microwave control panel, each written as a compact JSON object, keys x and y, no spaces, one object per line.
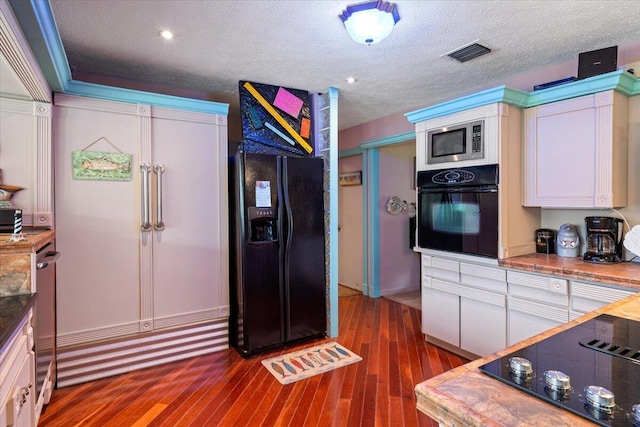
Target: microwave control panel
{"x":476,"y":139}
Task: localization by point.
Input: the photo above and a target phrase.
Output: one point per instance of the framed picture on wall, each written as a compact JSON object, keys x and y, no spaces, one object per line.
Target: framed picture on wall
{"x":351,"y":178}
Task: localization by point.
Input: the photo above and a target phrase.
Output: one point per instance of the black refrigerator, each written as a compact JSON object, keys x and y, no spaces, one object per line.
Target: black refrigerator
{"x":277,"y":256}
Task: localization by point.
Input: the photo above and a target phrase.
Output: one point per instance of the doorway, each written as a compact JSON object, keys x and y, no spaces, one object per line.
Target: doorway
{"x":365,"y":262}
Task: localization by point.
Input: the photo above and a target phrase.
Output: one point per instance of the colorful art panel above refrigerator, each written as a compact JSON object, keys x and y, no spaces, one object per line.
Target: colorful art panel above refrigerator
{"x":276,"y":120}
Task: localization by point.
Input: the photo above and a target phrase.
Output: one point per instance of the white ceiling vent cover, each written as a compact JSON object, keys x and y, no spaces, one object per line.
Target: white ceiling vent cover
{"x":467,"y":52}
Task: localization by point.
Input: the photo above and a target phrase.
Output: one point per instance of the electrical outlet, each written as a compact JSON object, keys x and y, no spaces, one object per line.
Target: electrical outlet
{"x":632,"y":68}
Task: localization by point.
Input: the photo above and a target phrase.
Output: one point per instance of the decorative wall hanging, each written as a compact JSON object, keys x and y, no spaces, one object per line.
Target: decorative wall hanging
{"x":351,"y":178}
{"x":101,"y":166}
{"x":396,"y":205}
{"x":275,"y":120}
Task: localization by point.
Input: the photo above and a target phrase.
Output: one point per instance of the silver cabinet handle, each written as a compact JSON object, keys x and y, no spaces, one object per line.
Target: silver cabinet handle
{"x":158,"y":169}
{"x":145,"y":170}
{"x":49,"y":259}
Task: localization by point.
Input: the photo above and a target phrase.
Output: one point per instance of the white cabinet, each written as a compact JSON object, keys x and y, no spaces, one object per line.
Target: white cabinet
{"x":17,"y":378}
{"x":441,"y":311}
{"x":483,"y":313}
{"x":464,"y":305}
{"x":586,"y":297}
{"x":119,"y":278}
{"x":576,"y":152}
{"x":483,"y":321}
{"x":535,"y":304}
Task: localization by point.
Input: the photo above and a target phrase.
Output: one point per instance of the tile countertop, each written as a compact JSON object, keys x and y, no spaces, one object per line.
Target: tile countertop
{"x":466,"y":397}
{"x":625,"y":274}
{"x":36,"y":239}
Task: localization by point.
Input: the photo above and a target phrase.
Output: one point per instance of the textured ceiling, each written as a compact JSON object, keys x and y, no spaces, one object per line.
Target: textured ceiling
{"x":303,"y":45}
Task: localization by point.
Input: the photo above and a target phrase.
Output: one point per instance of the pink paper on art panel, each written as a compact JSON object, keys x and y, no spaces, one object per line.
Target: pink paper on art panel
{"x":288,"y":102}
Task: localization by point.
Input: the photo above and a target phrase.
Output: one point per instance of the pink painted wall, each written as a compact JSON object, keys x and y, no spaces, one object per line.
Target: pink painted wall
{"x":399,"y":264}
{"x":387,"y":126}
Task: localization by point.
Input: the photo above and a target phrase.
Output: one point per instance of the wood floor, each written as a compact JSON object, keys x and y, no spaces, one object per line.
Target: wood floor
{"x":223,"y":389}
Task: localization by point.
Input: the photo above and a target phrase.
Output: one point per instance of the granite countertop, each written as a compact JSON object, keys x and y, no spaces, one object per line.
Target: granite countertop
{"x":36,"y":239}
{"x":12,"y":310}
{"x":626,"y":274}
{"x":466,"y":397}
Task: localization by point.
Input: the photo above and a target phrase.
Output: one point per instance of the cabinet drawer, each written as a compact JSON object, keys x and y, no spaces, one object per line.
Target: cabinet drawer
{"x":443,"y":286}
{"x":526,"y":319}
{"x":586,"y":297}
{"x":441,"y":268}
{"x":549,"y":290}
{"x":479,"y":276}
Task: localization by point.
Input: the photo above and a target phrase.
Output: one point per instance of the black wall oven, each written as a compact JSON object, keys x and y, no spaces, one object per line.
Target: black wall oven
{"x":458,"y":210}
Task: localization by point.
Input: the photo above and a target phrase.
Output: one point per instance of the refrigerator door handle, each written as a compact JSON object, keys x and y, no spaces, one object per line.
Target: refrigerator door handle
{"x":145,"y":170}
{"x":158,"y":169}
{"x":289,"y":231}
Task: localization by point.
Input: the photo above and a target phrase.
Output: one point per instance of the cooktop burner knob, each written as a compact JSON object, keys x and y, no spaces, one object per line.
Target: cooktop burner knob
{"x":600,"y":398}
{"x":636,"y":414}
{"x":520,"y":366}
{"x":557,"y":380}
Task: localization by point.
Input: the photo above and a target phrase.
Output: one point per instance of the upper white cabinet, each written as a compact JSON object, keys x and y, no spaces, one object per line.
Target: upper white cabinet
{"x":576,"y":152}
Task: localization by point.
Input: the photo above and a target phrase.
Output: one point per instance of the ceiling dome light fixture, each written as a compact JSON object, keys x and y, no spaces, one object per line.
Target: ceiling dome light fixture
{"x":370,"y":22}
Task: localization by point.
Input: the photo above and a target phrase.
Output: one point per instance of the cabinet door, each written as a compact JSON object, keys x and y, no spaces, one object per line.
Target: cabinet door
{"x":483,"y":321}
{"x":189,"y":256}
{"x":97,"y":223}
{"x":441,"y":311}
{"x":575,"y":152}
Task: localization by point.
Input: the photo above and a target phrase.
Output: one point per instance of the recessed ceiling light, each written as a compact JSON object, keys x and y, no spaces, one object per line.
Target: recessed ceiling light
{"x":166,"y":34}
{"x":351,"y":80}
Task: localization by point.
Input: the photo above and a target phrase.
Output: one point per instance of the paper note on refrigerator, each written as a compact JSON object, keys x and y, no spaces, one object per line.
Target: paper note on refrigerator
{"x":263,"y":194}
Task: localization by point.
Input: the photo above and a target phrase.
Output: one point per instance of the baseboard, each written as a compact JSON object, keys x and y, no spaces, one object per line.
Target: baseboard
{"x":451,"y":348}
{"x":408,"y":288}
{"x":82,"y":363}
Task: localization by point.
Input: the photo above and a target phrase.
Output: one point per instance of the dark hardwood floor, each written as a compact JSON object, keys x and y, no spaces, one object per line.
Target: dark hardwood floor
{"x":223,"y":389}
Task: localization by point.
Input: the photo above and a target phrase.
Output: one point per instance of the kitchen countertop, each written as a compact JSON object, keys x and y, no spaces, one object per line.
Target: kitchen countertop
{"x":466,"y":397}
{"x":36,"y":239}
{"x":625,"y":274}
{"x":12,"y":310}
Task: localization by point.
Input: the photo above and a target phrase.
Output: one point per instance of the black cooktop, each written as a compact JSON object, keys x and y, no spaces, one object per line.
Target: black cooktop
{"x":594,"y":358}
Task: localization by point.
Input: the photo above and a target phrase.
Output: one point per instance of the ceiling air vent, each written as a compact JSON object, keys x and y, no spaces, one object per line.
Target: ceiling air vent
{"x":467,"y":52}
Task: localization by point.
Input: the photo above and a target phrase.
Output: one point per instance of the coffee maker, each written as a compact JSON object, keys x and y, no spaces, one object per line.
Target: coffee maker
{"x":604,"y":239}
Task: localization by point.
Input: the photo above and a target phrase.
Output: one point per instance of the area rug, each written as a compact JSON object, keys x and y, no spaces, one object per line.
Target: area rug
{"x":306,"y":363}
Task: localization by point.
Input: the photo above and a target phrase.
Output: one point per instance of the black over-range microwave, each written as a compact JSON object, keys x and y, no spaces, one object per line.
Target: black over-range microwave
{"x":463,"y":141}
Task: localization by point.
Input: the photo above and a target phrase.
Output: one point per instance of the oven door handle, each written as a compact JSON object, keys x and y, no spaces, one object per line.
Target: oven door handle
{"x":47,"y":260}
{"x":491,"y":189}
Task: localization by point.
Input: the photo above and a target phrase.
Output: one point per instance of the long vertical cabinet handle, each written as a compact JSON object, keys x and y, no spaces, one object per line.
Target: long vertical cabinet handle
{"x":158,"y":169}
{"x":145,"y":171}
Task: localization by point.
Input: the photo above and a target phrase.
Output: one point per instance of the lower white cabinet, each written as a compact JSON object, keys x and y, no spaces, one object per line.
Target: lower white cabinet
{"x":17,"y":378}
{"x":480,"y":309}
{"x":536,"y":303}
{"x":472,"y":318}
{"x":441,"y":311}
{"x":483,"y":319}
